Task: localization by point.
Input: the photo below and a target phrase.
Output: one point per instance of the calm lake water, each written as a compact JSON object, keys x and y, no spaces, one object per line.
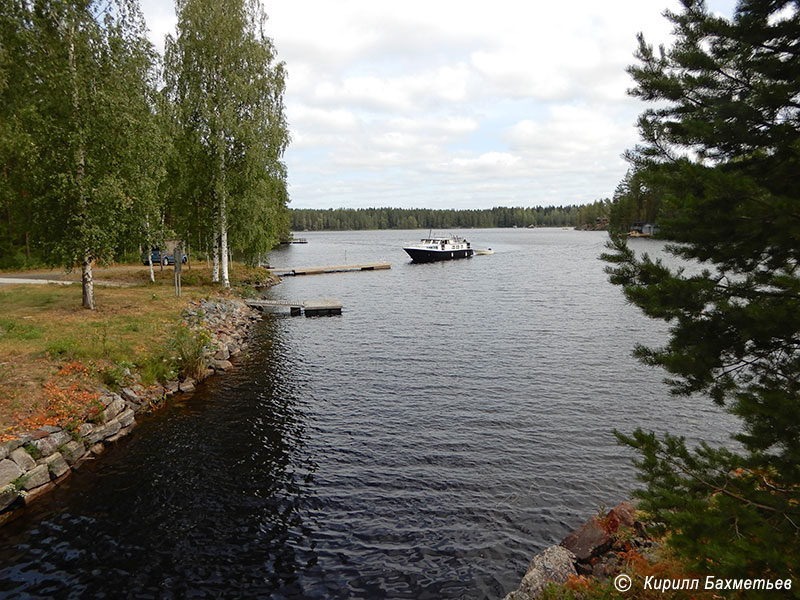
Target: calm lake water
{"x":452,"y":422}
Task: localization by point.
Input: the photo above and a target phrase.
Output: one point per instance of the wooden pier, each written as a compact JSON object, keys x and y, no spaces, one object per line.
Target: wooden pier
{"x":292,"y":271}
{"x":311,"y":308}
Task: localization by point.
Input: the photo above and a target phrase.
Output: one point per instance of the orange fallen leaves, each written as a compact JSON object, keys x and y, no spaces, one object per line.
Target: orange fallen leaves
{"x":75,"y":367}
{"x":63,"y":407}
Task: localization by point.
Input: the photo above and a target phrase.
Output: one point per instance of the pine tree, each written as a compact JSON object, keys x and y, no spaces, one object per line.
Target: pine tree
{"x":722,"y":151}
{"x":634,"y":201}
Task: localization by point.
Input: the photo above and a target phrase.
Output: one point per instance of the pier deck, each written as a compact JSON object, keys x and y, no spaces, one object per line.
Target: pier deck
{"x":292,"y":271}
{"x":311,"y":308}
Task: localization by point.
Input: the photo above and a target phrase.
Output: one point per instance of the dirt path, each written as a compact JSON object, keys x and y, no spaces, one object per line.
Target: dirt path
{"x":115,"y":275}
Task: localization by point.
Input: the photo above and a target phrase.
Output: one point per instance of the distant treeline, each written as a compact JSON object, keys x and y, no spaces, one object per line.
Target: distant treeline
{"x":633,"y":202}
{"x":306,"y":219}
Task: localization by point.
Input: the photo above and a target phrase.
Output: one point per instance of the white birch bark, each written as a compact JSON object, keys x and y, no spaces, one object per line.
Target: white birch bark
{"x":223,"y":217}
{"x":87,"y":279}
{"x":223,"y":243}
{"x":149,"y":249}
{"x":215,"y":259}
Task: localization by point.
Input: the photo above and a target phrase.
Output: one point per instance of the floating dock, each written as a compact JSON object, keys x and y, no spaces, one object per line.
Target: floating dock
{"x":292,"y":271}
{"x":311,"y":308}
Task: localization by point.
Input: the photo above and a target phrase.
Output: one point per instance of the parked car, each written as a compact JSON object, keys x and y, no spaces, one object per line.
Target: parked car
{"x":164,"y":259}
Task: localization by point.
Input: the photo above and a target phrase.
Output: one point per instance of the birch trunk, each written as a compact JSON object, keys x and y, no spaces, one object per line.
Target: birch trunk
{"x":149,"y":249}
{"x":223,"y":243}
{"x":87,"y":279}
{"x":215,"y":259}
{"x":223,"y":217}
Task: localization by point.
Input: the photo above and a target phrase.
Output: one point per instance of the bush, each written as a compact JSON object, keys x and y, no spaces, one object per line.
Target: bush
{"x":189,"y":346}
{"x":14,"y":259}
{"x":117,"y":376}
{"x":160,"y":368}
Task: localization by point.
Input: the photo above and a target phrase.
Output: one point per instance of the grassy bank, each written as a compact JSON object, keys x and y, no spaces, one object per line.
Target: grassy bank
{"x":53,"y":352}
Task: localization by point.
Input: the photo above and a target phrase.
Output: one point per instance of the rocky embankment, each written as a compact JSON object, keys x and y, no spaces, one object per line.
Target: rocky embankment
{"x":596,"y":549}
{"x":36,"y":462}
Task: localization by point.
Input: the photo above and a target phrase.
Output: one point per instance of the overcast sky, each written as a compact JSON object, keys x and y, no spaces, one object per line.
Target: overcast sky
{"x":446,"y":104}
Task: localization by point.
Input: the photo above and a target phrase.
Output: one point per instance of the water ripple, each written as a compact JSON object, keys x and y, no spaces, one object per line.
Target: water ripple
{"x":453,"y":421}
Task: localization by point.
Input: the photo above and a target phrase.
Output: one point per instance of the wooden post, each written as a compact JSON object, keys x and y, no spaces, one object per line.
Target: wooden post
{"x":178,"y":262}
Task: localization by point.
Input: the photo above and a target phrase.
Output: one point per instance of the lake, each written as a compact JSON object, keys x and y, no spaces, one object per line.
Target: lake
{"x":453,"y":421}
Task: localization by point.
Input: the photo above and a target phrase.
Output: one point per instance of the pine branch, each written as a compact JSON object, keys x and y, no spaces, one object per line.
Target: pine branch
{"x":725,"y":491}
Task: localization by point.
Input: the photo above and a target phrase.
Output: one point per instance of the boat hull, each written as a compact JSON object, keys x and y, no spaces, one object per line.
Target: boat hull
{"x":420,"y":255}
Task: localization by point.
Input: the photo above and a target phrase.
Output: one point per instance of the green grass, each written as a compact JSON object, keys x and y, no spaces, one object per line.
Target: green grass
{"x":20,"y":330}
{"x":43,"y":328}
{"x":33,"y":451}
{"x":117,"y":376}
{"x":66,"y":348}
{"x":158,"y":369}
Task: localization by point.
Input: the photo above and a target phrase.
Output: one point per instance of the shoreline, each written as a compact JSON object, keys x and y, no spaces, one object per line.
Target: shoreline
{"x":34,"y":463}
{"x":603,"y":547}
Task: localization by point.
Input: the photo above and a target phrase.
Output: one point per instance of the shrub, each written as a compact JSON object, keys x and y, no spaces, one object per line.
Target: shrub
{"x":160,"y":368}
{"x":189,"y":346}
{"x":117,"y":376}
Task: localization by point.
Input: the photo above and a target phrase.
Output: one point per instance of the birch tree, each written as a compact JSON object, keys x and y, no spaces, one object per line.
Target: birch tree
{"x":88,"y":63}
{"x":228,"y":89}
{"x":17,"y":113}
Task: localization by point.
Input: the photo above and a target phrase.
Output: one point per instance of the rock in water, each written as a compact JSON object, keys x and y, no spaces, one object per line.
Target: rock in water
{"x":592,"y":539}
{"x":555,"y":564}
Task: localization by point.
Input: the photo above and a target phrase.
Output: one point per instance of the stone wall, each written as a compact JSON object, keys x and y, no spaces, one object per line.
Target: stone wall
{"x":35,"y":462}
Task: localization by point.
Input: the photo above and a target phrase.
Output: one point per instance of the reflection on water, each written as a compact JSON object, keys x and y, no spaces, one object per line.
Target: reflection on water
{"x":453,"y":421}
{"x":205,"y":496}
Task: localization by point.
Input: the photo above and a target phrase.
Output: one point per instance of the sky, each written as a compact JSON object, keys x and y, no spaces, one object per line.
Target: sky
{"x":456,"y":104}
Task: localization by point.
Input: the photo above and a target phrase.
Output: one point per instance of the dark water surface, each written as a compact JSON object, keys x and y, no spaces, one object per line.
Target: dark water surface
{"x":453,"y":421}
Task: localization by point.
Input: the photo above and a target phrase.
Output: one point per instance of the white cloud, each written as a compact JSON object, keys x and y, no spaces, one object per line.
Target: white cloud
{"x":570,"y":135}
{"x":457,"y":103}
{"x":160,"y":18}
{"x":488,"y":163}
{"x":446,"y":125}
{"x":408,"y":93}
{"x":321,"y":118}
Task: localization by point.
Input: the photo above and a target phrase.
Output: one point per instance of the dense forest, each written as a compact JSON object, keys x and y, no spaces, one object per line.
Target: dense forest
{"x":106,"y":146}
{"x":426,"y":218}
{"x":633,"y":202}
